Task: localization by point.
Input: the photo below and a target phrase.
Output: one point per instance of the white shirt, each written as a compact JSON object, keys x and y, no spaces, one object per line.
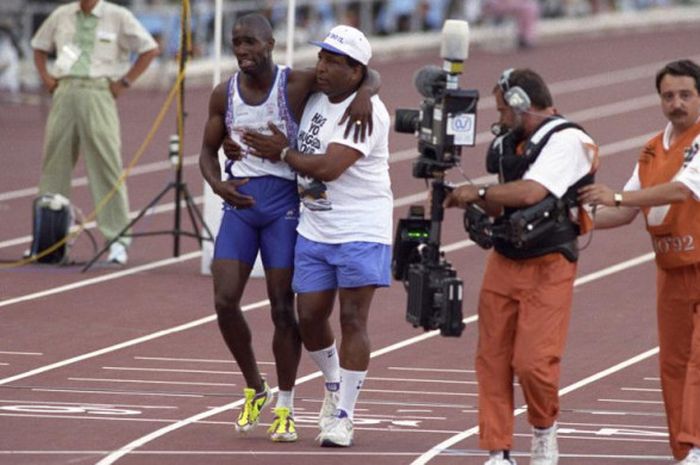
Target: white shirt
{"x":566,"y":158}
{"x":118,"y":34}
{"x":360,"y":201}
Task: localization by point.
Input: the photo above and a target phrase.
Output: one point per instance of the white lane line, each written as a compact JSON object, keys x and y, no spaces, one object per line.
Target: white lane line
{"x":419,"y":380}
{"x":85,"y":417}
{"x":197,"y":360}
{"x":144,"y":381}
{"x":663,"y":428}
{"x":640,"y":389}
{"x":419,"y":393}
{"x":115,"y":393}
{"x":632,"y":401}
{"x":612,"y":425}
{"x":615,"y":268}
{"x":172,"y":370}
{"x":171,"y":359}
{"x":152,"y":167}
{"x":87,"y":404}
{"x":2,"y":352}
{"x":438,"y":370}
{"x":100,"y":279}
{"x":122,"y":345}
{"x":442,"y":448}
{"x":618,"y":413}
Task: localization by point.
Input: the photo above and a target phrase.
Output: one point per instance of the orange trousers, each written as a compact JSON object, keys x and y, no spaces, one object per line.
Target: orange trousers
{"x":524,"y":313}
{"x":678,"y":316}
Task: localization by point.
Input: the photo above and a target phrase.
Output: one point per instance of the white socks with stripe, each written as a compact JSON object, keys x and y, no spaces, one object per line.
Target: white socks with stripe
{"x":350,"y":385}
{"x":328,"y":362}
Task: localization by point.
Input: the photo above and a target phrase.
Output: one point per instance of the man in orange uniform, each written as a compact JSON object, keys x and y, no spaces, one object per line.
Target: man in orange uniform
{"x":665,"y":185}
{"x":525,"y":299}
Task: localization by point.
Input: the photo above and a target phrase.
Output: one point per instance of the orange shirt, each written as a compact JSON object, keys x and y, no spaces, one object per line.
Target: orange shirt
{"x":676,"y":233}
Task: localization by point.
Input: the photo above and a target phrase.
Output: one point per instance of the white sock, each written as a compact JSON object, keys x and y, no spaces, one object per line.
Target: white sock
{"x":545,"y":430}
{"x":328,"y":362}
{"x":286,"y":399}
{"x":350,"y":385}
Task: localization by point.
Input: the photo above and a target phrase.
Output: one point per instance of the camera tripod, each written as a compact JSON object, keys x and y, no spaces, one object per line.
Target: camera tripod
{"x":182,"y":194}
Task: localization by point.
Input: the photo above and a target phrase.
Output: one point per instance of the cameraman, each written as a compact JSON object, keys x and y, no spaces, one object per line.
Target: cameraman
{"x":525,"y":299}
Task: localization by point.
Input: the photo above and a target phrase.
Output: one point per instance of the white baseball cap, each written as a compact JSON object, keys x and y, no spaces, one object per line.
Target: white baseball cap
{"x":348,"y":41}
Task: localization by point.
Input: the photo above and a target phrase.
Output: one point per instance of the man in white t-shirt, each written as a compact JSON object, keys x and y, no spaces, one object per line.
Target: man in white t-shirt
{"x":525,"y":298}
{"x":344,"y":244}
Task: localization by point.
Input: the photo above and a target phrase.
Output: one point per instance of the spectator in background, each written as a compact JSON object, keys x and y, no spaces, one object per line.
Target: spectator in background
{"x":92,"y":40}
{"x":434,"y":14}
{"x":525,"y":12}
{"x":395,"y":16}
{"x":9,"y":62}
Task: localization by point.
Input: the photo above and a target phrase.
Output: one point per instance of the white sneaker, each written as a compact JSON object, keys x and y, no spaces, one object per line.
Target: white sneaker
{"x":337,"y":432}
{"x":329,"y":406}
{"x":693,"y":457}
{"x":544,"y":446}
{"x":497,"y":458}
{"x":117,"y":253}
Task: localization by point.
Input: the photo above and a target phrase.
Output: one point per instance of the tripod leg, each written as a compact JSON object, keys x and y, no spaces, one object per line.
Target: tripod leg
{"x":128,"y":226}
{"x":194,"y":211}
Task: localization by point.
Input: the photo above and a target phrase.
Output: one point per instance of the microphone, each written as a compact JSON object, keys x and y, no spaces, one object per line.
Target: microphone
{"x":454,"y":49}
{"x":454,"y":43}
{"x":429,"y":80}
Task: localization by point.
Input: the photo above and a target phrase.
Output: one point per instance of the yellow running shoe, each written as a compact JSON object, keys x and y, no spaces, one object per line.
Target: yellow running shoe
{"x":283,"y":428}
{"x":254,"y":403}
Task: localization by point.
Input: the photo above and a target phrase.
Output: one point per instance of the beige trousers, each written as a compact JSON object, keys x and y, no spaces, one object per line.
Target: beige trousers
{"x":84,"y":120}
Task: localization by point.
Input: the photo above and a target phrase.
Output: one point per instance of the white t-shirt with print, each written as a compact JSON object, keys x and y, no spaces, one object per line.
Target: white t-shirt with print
{"x":357,"y":206}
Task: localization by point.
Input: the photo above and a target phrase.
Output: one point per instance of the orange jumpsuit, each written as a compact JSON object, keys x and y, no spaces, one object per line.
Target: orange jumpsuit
{"x":524,"y":312}
{"x":675,"y":234}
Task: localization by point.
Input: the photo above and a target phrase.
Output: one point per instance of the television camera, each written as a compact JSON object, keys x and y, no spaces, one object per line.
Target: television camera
{"x":445,"y":123}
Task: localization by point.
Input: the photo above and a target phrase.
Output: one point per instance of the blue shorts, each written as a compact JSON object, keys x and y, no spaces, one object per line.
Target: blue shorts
{"x":270,"y":226}
{"x":320,"y":267}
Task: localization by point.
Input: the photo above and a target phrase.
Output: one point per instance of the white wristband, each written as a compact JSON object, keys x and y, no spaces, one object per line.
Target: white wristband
{"x":283,"y":153}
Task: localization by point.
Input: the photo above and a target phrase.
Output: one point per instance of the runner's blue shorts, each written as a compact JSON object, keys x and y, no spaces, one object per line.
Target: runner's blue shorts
{"x":269,"y":226}
{"x":320,"y":267}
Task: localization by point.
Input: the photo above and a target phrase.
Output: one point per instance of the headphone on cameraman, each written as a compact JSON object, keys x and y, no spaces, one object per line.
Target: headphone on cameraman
{"x":515,"y":96}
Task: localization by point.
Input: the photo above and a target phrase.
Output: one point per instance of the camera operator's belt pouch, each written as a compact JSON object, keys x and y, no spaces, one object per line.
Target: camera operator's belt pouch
{"x":51,"y":220}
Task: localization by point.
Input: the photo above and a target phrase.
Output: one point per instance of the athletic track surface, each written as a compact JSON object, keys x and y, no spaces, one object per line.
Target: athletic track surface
{"x":126,"y":365}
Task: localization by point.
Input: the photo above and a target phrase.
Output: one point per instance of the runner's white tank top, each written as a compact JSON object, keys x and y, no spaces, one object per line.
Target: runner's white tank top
{"x":241,"y":116}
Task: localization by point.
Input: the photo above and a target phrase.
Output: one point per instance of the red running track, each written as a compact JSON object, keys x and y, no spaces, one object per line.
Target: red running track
{"x":127,"y":366}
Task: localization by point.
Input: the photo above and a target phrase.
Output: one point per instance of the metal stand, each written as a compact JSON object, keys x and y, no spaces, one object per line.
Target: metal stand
{"x":182,"y":193}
